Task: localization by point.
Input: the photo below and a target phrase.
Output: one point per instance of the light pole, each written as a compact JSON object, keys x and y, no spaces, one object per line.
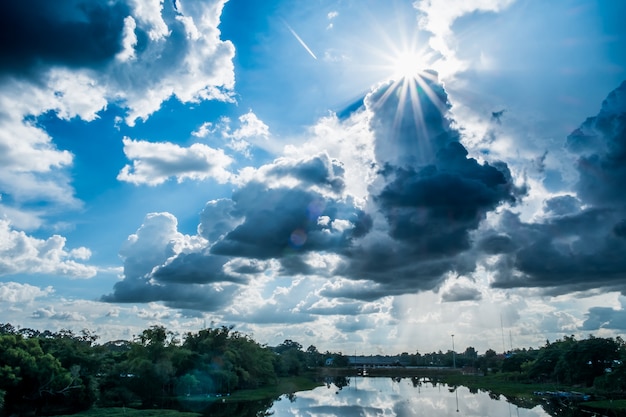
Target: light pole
{"x":453,"y":354}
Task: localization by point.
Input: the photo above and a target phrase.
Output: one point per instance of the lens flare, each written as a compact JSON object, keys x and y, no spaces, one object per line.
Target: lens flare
{"x":298,"y":238}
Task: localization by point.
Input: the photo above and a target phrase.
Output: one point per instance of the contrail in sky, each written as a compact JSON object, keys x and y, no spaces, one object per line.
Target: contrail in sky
{"x":293,"y":32}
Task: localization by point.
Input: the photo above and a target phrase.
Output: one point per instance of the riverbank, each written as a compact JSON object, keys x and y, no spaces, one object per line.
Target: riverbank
{"x":286,"y":385}
{"x":516,"y":391}
{"x":526,"y":394}
{"x":390,"y":371}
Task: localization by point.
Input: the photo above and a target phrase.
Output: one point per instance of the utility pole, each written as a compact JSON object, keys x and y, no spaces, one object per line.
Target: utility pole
{"x":453,"y":354}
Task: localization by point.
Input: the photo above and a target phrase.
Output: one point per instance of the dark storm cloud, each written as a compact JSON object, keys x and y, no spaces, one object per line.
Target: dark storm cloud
{"x":182,"y":296}
{"x":496,"y":243}
{"x":604,"y":318}
{"x":580,"y":244}
{"x":430,"y":193}
{"x":318,"y":170}
{"x":571,"y":253}
{"x":601,"y":142}
{"x":195,"y":268}
{"x":435,"y":208}
{"x":282,"y":221}
{"x":73,"y":33}
{"x":562,"y":205}
{"x":397,"y":267}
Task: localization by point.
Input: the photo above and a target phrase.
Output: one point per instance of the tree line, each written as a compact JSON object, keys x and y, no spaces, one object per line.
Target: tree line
{"x":64,"y":372}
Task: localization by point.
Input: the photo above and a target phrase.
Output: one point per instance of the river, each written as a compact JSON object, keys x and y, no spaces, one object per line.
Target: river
{"x":390,"y":397}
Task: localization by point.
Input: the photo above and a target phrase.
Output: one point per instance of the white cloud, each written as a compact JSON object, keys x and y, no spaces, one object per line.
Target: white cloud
{"x":155,"y":242}
{"x":155,"y":163}
{"x":193,"y":67}
{"x":438,"y":18}
{"x":148,"y":13}
{"x":23,"y":254}
{"x":251,"y":130}
{"x":129,"y":40}
{"x":51,"y":314}
{"x":331,"y":16}
{"x":251,"y":126}
{"x":204,"y":130}
{"x":350,"y":141}
{"x":183,"y":57}
{"x":13,"y":292}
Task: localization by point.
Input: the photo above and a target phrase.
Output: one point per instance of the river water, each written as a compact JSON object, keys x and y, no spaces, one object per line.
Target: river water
{"x":390,"y":397}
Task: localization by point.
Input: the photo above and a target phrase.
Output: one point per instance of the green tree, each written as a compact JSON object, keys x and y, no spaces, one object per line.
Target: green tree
{"x":313,"y":357}
{"x":515,"y":361}
{"x":291,"y":358}
{"x":31,"y":378}
{"x":77,"y":353}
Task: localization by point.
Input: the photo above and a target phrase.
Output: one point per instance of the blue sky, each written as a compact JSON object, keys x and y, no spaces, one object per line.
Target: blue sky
{"x":360,"y":175}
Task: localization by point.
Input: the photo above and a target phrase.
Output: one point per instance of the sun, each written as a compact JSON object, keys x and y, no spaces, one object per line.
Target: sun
{"x":406,"y":64}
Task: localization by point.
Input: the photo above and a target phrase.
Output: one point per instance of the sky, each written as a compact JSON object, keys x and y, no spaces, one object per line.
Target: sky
{"x":363,"y":176}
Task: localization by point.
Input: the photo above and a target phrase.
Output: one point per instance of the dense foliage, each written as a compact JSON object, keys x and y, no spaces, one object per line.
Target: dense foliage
{"x":64,"y":372}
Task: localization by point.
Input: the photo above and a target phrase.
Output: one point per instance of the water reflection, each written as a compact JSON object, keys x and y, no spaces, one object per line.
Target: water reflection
{"x":388,"y":397}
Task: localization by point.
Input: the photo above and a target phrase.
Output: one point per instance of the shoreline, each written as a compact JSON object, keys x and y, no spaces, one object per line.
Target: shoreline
{"x":515,"y":391}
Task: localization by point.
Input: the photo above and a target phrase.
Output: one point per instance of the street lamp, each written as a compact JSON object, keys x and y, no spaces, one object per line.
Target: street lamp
{"x":453,"y":354}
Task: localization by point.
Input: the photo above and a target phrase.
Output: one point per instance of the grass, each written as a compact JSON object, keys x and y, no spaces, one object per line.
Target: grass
{"x":131,"y":412}
{"x":505,"y":384}
{"x":607,"y":404}
{"x":287,"y":385}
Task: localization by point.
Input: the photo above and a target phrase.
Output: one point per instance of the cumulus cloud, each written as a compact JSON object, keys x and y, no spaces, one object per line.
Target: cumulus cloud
{"x":279,"y":221}
{"x":70,"y":33}
{"x":161,"y":50}
{"x":428,"y":195}
{"x":154,"y":246}
{"x":461,"y":292}
{"x":601,"y":143}
{"x":605,"y":318}
{"x":24,"y":254}
{"x":155,"y":163}
{"x":251,"y":126}
{"x":251,"y":131}
{"x":78,"y":57}
{"x":296,"y":216}
{"x":578,"y":244}
{"x":51,"y":314}
{"x":13,"y":292}
{"x":438,"y":18}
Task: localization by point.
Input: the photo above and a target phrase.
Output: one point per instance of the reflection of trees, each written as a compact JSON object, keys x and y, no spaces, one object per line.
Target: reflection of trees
{"x":341,"y":381}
